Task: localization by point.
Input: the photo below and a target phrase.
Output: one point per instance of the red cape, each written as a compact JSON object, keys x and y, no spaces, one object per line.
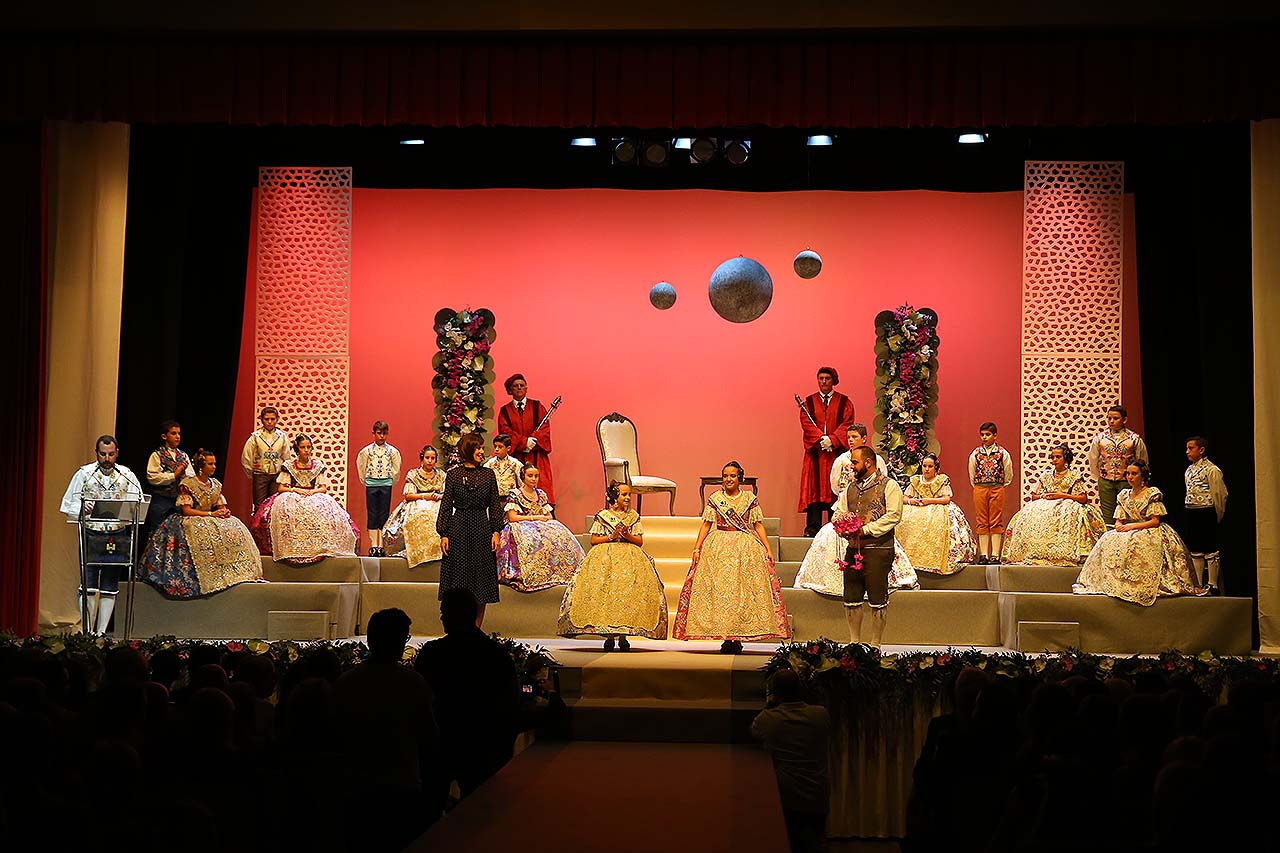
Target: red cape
{"x":815,"y":470}
{"x":520,"y":426}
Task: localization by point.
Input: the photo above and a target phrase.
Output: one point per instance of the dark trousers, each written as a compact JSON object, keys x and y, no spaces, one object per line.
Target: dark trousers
{"x":813,"y":517}
{"x":873,"y":581}
{"x":264,"y":486}
{"x":101,"y":548}
{"x":162,"y":506}
{"x":378,"y":504}
{"x":1200,"y":530}
{"x":805,"y":830}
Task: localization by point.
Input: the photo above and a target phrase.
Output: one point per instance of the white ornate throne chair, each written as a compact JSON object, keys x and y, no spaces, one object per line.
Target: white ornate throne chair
{"x":617,"y":436}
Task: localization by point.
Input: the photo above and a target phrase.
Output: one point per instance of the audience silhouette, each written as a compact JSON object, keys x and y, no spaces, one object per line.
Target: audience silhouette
{"x":477,"y":696}
{"x":210,"y":749}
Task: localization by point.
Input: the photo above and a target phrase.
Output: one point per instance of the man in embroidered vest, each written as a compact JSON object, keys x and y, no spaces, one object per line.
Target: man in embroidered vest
{"x":106,"y":543}
{"x":833,"y":414}
{"x":265,"y":451}
{"x":877,"y":500}
{"x":1205,"y":503}
{"x":1112,"y":451}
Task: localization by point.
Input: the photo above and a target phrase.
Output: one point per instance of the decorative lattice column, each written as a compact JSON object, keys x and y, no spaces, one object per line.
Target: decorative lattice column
{"x":302,"y":345}
{"x":1072,"y":275}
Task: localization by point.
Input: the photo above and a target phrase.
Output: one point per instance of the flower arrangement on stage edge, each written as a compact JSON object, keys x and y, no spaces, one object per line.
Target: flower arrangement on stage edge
{"x":906,"y":386}
{"x":463,"y":373}
{"x":870,"y":691}
{"x":846,"y":525}
{"x":531,"y":662}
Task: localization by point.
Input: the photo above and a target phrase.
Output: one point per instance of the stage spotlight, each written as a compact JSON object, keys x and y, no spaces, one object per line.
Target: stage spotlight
{"x":682,"y":143}
{"x":820,"y":140}
{"x":583,"y":142}
{"x":971,"y":137}
{"x":737,"y":151}
{"x":625,"y":152}
{"x":413,"y":142}
{"x":702,"y":150}
{"x":656,"y":153}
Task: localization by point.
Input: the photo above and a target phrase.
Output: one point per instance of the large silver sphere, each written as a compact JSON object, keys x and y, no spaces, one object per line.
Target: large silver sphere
{"x":807,"y":264}
{"x":662,"y":296}
{"x":740,"y":290}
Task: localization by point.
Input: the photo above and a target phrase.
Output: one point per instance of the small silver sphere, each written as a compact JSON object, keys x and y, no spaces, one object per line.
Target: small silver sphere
{"x":807,"y":264}
{"x":662,"y":296}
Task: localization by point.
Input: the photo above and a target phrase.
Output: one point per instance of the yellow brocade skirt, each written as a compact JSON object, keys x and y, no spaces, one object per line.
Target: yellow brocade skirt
{"x":731,"y":593}
{"x":1055,"y":532}
{"x":937,"y":537}
{"x":223,"y":552}
{"x":616,"y":590}
{"x":411,"y":532}
{"x":1139,"y":566}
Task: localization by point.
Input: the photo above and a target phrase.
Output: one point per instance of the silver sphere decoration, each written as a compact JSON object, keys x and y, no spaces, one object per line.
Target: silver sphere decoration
{"x":740,"y":290}
{"x":807,"y":264}
{"x":662,"y":296}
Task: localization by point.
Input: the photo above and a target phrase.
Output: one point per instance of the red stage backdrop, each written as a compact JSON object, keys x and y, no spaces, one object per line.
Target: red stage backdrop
{"x":567,"y":273}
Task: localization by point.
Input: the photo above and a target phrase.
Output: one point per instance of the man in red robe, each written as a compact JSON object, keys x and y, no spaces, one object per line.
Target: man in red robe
{"x":833,"y":412}
{"x":519,"y":419}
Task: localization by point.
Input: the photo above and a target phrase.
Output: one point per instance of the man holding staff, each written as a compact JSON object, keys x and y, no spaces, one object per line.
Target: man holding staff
{"x":527,"y":422}
{"x":825,"y":418}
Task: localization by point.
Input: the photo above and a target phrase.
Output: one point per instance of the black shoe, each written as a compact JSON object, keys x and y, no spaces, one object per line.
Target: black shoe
{"x":608,"y":644}
{"x":623,"y":645}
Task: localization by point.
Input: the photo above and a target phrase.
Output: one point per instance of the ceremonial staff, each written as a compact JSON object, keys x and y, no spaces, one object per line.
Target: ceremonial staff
{"x":800,"y":403}
{"x":547,"y":416}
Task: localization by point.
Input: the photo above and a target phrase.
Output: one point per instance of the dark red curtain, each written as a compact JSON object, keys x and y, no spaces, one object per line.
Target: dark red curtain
{"x":914,"y":80}
{"x":22,"y":357}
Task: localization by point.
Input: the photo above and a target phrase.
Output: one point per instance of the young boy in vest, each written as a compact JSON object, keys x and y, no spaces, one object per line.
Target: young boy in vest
{"x":990,"y":472}
{"x":379,"y":467}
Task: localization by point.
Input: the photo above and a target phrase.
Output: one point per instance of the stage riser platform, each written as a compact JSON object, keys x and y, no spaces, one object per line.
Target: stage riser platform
{"x":1111,"y":626}
{"x":916,"y":617}
{"x":526,"y":615}
{"x":667,"y":691}
{"x":1026,"y":621}
{"x":328,"y":570}
{"x":242,"y":611}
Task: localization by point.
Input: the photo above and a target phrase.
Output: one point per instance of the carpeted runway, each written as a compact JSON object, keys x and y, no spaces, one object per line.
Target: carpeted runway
{"x":621,"y":797}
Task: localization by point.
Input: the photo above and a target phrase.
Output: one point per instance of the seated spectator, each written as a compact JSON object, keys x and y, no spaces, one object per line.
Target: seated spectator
{"x":383,"y":712}
{"x":476,"y":696}
{"x":797,"y":736}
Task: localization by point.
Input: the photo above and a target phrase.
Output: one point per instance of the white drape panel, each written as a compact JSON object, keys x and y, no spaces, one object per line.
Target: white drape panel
{"x":1266,"y":364}
{"x":88,"y":189}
